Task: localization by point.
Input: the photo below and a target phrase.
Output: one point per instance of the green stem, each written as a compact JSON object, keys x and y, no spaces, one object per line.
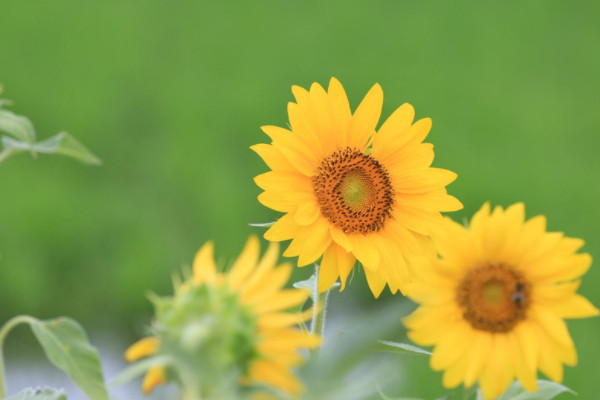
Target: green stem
{"x":319,"y":307}
{"x":8,"y":326}
{"x":468,"y":393}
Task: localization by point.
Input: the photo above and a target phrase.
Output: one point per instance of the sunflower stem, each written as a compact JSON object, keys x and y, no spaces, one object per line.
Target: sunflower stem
{"x":317,"y":326}
{"x":469,"y":392}
{"x":8,"y":326}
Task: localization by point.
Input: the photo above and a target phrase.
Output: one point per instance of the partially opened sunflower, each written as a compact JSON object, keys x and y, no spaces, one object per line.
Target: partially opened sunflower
{"x":349,"y":191}
{"x":494,"y":304}
{"x":223,"y":334}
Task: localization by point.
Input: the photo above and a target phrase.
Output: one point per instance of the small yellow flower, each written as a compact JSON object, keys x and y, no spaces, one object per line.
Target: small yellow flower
{"x":494,"y":304}
{"x":229,"y":331}
{"x":348,"y":192}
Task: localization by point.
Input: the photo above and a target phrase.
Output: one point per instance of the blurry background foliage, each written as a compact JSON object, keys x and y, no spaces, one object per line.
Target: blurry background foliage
{"x":170,"y":95}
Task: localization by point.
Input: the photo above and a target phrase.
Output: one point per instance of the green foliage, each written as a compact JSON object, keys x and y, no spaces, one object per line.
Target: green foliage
{"x":24,"y":139}
{"x":547,"y":390}
{"x":66,"y":346}
{"x":385,"y":397}
{"x":263,"y":225}
{"x":39,"y":394}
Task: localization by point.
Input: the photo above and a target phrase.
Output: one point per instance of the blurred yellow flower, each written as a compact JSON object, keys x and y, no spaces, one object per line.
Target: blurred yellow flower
{"x":348,"y":192}
{"x":228,"y":330}
{"x":493,"y":305}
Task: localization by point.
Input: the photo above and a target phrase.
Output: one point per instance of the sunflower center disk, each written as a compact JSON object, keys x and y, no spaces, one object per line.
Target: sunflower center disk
{"x":354,"y":191}
{"x":494,"y":298}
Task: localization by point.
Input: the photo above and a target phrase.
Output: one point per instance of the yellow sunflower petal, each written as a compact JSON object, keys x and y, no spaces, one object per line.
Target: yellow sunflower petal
{"x":314,"y":244}
{"x":284,"y":320}
{"x":499,"y":367}
{"x":345,"y":262}
{"x":277,"y":340}
{"x":265,"y":265}
{"x":279,"y":201}
{"x":271,"y":373}
{"x":525,"y":335}
{"x":154,"y":377}
{"x":340,"y":109}
{"x":415,"y":157}
{"x":476,"y":357}
{"x":244,"y":264}
{"x":422,"y":180}
{"x":433,"y":201}
{"x":307,"y":213}
{"x":282,"y":300}
{"x":303,"y":127}
{"x":365,"y":251}
{"x":392,"y":134}
{"x":451,"y":346}
{"x":328,"y":272}
{"x":272,"y":157}
{"x":552,"y":324}
{"x":365,"y":118}
{"x":575,"y":306}
{"x":454,"y":374}
{"x":526,"y":375}
{"x":340,"y":237}
{"x":257,"y":290}
{"x":285,"y":228}
{"x":142,"y":348}
{"x":297,"y":153}
{"x":549,"y":360}
{"x":376,"y":283}
{"x":204,"y":268}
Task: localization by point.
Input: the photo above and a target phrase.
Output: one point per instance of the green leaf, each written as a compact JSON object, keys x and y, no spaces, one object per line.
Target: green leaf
{"x":65,"y":144}
{"x":12,"y":146}
{"x":17,"y":126}
{"x":311,"y":284}
{"x":547,"y":390}
{"x":22,"y":138}
{"x":66,"y":346}
{"x":39,"y":394}
{"x":308,"y":284}
{"x":386,"y":397}
{"x":404,"y":348}
{"x":263,"y":225}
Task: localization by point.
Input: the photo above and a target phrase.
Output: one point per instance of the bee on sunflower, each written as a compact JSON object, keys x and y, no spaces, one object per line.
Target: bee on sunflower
{"x":350,"y":191}
{"x":494,"y":303}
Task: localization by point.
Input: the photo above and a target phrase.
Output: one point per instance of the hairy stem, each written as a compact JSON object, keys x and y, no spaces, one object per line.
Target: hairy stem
{"x":319,"y":308}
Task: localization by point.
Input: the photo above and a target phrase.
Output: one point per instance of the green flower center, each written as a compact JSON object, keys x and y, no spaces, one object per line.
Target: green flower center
{"x":356,"y":189}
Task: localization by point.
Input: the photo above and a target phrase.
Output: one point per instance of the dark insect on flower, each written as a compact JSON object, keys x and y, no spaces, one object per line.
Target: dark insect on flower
{"x":518,"y":296}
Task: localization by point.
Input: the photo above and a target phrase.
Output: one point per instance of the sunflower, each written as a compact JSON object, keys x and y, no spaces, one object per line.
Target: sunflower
{"x":494,"y":303}
{"x":226,"y":332}
{"x":348,"y":192}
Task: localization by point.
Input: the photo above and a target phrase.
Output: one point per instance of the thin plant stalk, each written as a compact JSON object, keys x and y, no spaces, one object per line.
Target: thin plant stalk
{"x":8,"y":326}
{"x":317,"y":325}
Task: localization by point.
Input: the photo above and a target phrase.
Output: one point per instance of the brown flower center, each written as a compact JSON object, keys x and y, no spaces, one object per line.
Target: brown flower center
{"x":493,"y":298}
{"x":354,"y":191}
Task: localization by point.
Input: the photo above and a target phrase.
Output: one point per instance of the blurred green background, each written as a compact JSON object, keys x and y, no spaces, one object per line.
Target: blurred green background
{"x":171,"y":95}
